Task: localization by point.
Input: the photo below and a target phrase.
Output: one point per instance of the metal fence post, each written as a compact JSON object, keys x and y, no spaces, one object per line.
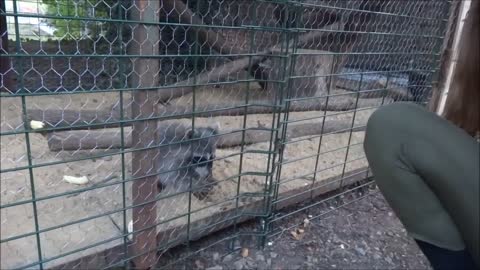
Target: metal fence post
{"x":4,"y":61}
{"x":144,"y":133}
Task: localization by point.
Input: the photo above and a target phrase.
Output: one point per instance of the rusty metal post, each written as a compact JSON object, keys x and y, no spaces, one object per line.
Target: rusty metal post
{"x":144,"y":134}
{"x":7,"y":82}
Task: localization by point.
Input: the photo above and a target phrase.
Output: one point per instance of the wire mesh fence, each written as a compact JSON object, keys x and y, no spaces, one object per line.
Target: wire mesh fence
{"x":130,"y":127}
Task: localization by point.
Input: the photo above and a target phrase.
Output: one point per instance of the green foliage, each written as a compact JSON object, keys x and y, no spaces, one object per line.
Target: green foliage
{"x":65,"y":10}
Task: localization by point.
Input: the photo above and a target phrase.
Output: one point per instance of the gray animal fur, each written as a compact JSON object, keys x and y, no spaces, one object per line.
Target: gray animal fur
{"x":186,"y":155}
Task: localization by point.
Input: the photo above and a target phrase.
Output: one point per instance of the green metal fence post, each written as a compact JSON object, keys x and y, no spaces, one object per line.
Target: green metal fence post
{"x":4,"y":60}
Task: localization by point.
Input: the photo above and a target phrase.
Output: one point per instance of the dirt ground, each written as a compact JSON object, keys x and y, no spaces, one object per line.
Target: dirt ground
{"x":339,"y":152}
{"x":365,"y":234}
{"x":60,"y":217}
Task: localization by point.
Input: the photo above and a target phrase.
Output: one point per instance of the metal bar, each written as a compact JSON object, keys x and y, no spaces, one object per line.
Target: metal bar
{"x":139,"y":22}
{"x":27,"y":142}
{"x":245,"y":54}
{"x":351,"y":131}
{"x":364,"y":11}
{"x":7,"y":81}
{"x":281,"y":130}
{"x":324,"y":117}
{"x":244,"y":126}
{"x":167,"y":88}
{"x":122,"y":75}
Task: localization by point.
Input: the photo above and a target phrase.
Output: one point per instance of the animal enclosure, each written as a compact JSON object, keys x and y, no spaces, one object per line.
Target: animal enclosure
{"x":129,"y":127}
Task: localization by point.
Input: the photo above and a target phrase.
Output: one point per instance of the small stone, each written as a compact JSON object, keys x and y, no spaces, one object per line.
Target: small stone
{"x":108,"y":158}
{"x":307,"y":264}
{"x":216,"y":256}
{"x":376,"y":256}
{"x":244,"y":252}
{"x":361,"y":251}
{"x":216,"y":267}
{"x":228,"y":258}
{"x":250,"y":263}
{"x":199,"y":264}
{"x":273,"y":255}
{"x":260,"y":257}
{"x":262,"y":265}
{"x":236,"y":244}
{"x":238,"y":265}
{"x":269,"y":262}
{"x":306,"y":222}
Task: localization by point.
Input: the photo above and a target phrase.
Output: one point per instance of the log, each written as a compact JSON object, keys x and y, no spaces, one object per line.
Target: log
{"x":178,"y":9}
{"x":182,"y":88}
{"x":107,"y":139}
{"x":220,"y":72}
{"x":211,"y":38}
{"x":395,"y":92}
{"x":90,"y":119}
{"x":342,"y":40}
{"x":318,"y":39}
{"x":309,"y":17}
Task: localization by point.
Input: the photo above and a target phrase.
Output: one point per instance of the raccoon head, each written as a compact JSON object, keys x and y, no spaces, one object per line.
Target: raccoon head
{"x":204,"y":146}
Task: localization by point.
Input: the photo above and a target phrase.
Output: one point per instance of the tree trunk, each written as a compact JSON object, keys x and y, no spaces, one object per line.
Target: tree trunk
{"x":90,"y":139}
{"x":90,"y":119}
{"x":218,"y":73}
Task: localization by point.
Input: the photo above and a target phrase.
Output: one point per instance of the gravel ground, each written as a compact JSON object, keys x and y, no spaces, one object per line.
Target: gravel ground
{"x":363,"y":235}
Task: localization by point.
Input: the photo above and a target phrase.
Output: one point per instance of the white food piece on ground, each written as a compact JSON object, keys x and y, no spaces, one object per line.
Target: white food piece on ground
{"x":130,"y":230}
{"x":36,"y":124}
{"x":75,"y":180}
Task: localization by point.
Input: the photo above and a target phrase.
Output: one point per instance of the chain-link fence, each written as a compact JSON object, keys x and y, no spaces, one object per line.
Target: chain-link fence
{"x":129,"y":127}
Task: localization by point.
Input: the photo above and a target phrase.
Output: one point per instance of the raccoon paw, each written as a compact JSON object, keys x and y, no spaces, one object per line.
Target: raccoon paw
{"x":160,"y":187}
{"x":201,"y":194}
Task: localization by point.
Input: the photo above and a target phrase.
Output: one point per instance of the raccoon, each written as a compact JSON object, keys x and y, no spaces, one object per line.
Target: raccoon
{"x":185,"y":159}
